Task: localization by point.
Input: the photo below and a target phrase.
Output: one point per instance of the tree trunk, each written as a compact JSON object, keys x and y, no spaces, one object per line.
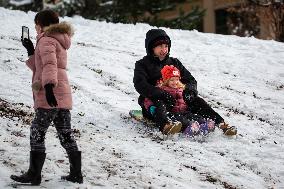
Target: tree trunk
{"x":37,"y":5}
{"x":271,"y":22}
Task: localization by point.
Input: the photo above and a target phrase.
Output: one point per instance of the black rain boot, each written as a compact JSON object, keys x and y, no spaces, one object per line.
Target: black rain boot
{"x":33,"y":175}
{"x":75,"y":174}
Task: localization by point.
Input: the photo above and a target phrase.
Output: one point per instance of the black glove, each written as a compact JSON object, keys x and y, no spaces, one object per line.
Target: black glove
{"x":50,"y":98}
{"x":28,"y":44}
{"x":189,"y":93}
{"x":167,"y":98}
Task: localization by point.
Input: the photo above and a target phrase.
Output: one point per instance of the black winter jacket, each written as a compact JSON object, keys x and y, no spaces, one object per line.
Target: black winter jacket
{"x":148,"y":71}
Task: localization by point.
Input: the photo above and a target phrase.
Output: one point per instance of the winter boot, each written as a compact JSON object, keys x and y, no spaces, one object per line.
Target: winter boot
{"x":172,"y":128}
{"x":204,"y":128}
{"x":33,"y":175}
{"x":75,"y":174}
{"x":192,"y":129}
{"x":211,"y":125}
{"x":228,"y":130}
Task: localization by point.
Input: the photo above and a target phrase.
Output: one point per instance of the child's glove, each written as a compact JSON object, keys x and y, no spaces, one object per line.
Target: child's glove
{"x":189,"y":93}
{"x":152,"y":110}
{"x":50,"y":98}
{"x":28,"y":44}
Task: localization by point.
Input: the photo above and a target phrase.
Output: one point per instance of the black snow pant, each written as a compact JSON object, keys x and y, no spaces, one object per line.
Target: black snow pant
{"x":62,"y":122}
{"x":200,"y":107}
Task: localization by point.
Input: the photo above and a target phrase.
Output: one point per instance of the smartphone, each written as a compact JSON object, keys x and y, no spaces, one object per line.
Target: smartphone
{"x":25,"y":32}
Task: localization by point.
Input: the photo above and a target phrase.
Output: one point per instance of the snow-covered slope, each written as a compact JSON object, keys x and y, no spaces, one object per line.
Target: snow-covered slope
{"x":242,"y":78}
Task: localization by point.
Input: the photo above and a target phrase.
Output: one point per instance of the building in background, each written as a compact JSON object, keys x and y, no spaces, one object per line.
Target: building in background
{"x":263,"y":19}
{"x":214,"y":19}
{"x":259,"y":18}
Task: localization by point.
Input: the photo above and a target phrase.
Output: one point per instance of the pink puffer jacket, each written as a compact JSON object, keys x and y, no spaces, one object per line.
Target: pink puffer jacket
{"x":180,"y":105}
{"x":49,"y":65}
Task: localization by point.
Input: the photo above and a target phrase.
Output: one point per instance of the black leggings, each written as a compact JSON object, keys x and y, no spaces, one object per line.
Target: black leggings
{"x":62,"y":122}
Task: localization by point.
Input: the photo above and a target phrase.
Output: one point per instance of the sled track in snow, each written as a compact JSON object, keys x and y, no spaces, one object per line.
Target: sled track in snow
{"x":83,"y":44}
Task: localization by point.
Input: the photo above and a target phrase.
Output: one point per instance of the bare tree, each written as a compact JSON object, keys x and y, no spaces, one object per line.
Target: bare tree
{"x":271,"y":17}
{"x":37,"y":5}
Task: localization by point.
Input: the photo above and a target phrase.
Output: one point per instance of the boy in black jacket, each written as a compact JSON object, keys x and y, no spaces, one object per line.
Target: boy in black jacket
{"x":147,"y":74}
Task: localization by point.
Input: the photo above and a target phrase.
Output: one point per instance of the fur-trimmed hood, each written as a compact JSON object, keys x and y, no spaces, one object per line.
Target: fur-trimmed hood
{"x":62,"y":28}
{"x":62,"y":32}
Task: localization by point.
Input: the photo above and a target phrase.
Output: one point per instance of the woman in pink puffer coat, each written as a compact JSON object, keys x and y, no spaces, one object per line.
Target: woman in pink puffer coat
{"x":52,"y":95}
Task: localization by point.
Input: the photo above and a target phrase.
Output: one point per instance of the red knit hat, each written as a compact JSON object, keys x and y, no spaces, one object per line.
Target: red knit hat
{"x":169,"y":71}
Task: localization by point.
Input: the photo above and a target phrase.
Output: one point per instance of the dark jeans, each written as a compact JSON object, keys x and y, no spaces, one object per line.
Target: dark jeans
{"x":198,"y":111}
{"x":62,"y":122}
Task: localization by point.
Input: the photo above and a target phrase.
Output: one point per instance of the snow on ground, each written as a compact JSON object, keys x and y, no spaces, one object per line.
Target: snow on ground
{"x":242,"y":78}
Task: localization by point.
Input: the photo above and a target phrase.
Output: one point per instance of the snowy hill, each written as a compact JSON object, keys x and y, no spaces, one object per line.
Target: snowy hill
{"x":242,"y":78}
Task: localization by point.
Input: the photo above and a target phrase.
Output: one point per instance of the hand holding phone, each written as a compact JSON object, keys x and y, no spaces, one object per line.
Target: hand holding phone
{"x":27,"y":43}
{"x":25,"y":33}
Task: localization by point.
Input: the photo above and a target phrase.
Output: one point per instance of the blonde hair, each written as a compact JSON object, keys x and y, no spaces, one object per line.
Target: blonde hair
{"x":179,"y":84}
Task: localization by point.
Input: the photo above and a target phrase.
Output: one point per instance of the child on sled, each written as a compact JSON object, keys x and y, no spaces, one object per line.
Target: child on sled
{"x":175,"y":117}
